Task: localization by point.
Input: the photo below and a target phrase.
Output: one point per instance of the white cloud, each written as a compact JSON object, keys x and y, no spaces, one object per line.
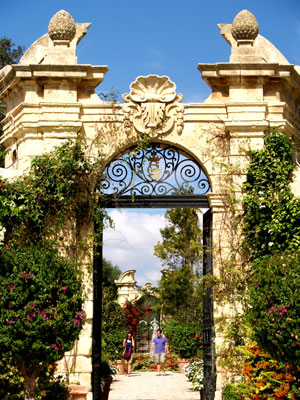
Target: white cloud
{"x":130,"y":244}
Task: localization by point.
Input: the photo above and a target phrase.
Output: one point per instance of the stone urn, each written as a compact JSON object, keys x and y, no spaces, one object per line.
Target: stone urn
{"x":181,"y":363}
{"x":106,"y":389}
{"x":78,"y":392}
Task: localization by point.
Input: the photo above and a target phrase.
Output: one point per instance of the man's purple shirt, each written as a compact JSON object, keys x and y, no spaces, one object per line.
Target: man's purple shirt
{"x":160,"y":344}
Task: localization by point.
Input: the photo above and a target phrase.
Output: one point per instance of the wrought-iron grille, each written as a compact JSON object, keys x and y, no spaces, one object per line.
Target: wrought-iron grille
{"x":158,"y":170}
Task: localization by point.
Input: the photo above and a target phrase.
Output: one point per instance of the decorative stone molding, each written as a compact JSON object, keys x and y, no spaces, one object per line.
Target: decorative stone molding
{"x":62,"y":26}
{"x":244,"y":27}
{"x":153,"y":106}
{"x":126,"y":287}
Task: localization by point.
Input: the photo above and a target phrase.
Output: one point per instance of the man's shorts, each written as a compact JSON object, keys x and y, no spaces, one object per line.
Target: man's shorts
{"x":160,"y":358}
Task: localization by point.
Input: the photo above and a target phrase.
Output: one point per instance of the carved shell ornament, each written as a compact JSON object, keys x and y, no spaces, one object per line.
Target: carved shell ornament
{"x":62,"y":26}
{"x":244,"y":26}
{"x":153,"y":106}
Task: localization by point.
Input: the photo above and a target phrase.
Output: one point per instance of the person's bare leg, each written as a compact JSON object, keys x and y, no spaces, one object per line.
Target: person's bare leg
{"x":158,"y":369}
{"x":129,"y":368}
{"x":162,"y":367}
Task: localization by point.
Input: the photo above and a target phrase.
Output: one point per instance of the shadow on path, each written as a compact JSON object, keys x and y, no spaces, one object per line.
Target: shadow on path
{"x":148,"y":386}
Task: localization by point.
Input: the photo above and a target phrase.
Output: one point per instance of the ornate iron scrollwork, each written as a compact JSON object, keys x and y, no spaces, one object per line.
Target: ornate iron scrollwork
{"x":158,"y":170}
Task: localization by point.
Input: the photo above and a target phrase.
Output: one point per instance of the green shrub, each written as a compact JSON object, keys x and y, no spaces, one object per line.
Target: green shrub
{"x":113,"y":343}
{"x":235,"y":391}
{"x":275,"y":306}
{"x":183,"y":340}
{"x":48,"y":387}
{"x":142,"y":362}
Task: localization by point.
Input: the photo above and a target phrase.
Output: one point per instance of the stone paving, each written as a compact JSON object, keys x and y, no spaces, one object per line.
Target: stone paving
{"x":148,"y":386}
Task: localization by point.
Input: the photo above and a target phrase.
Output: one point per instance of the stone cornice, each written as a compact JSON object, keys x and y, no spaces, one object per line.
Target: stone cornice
{"x":225,"y":73}
{"x":86,"y":74}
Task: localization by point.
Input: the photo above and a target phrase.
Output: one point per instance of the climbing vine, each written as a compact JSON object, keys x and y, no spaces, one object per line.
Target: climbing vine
{"x":271,"y":221}
{"x":272,"y":246}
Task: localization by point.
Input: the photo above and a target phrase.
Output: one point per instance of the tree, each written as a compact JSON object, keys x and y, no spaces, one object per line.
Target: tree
{"x":182,"y":237}
{"x":181,"y":252}
{"x":41,"y":308}
{"x":9,"y":54}
{"x":110,"y":273}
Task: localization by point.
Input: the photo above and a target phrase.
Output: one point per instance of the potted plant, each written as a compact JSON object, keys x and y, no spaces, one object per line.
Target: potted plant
{"x":183,"y":340}
{"x":107,"y":373}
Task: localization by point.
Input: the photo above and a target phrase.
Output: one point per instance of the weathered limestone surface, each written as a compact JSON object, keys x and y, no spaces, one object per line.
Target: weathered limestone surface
{"x":50,"y":98}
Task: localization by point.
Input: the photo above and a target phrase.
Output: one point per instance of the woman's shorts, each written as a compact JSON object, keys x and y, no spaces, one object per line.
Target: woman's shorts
{"x":128,"y":360}
{"x":160,"y":358}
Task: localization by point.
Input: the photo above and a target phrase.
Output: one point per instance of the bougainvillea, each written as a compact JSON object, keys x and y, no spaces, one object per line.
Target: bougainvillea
{"x":274,"y":298}
{"x":134,"y":313}
{"x":41,"y":308}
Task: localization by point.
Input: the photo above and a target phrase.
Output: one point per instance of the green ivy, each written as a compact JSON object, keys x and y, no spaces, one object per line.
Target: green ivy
{"x":59,"y":185}
{"x":272,"y":247}
{"x":271,"y":211}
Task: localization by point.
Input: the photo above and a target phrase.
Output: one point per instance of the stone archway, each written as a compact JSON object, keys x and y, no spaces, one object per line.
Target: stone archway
{"x":159,"y":175}
{"x":50,"y":98}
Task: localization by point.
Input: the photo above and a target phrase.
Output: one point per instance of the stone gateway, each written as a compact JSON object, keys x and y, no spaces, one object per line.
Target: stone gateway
{"x":50,"y":98}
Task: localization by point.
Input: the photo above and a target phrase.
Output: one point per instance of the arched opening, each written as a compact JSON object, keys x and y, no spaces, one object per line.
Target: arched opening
{"x":158,"y":175}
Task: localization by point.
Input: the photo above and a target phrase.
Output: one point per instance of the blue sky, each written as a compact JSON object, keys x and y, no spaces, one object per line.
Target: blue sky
{"x":160,"y":37}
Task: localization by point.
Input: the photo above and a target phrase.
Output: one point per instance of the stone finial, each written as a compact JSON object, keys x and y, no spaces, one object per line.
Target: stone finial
{"x":62,"y":26}
{"x":244,"y":26}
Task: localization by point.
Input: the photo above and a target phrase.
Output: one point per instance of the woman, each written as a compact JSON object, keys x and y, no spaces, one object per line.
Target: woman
{"x":128,"y":345}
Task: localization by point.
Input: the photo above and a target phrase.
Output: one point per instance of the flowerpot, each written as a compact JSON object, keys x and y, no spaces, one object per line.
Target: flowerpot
{"x":105,"y":392}
{"x":78,"y":392}
{"x":120,"y":365}
{"x":181,"y":363}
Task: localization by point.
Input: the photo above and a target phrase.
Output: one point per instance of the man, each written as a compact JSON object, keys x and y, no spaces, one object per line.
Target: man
{"x":161,"y":348}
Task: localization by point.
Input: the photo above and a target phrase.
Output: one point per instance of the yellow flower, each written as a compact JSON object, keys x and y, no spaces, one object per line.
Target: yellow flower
{"x":117,"y":351}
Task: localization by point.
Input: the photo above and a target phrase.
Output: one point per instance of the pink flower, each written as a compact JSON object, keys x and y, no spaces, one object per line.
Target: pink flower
{"x":10,"y":321}
{"x":68,"y":323}
{"x":277,"y":334}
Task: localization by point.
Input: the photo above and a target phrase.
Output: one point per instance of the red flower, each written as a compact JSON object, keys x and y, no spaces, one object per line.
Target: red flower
{"x":196,"y":336}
